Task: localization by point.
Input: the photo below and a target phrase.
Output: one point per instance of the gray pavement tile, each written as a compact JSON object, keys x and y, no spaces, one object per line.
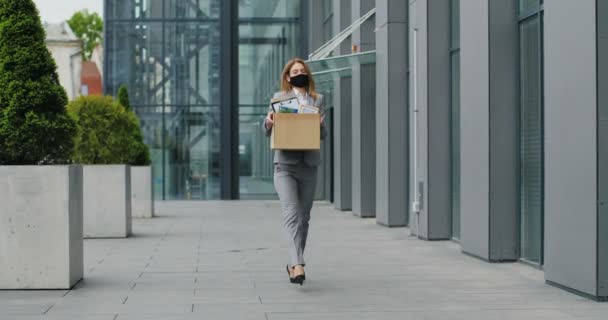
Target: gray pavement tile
{"x":105,"y":308}
{"x":344,"y":316}
{"x":59,"y":317}
{"x":23,"y":308}
{"x":225,"y":260}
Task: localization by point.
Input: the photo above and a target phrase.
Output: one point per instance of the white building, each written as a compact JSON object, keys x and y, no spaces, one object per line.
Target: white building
{"x":66,"y":49}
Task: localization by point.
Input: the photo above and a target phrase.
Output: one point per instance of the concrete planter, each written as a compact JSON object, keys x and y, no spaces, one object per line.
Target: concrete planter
{"x":41,"y":224}
{"x":142,"y":197}
{"x":107,"y":201}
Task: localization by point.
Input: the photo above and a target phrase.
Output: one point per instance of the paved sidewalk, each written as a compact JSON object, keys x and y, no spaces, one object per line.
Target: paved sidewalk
{"x":226,"y":260}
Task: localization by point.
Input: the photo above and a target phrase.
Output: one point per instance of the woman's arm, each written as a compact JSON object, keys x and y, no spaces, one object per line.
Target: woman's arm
{"x":268,"y":120}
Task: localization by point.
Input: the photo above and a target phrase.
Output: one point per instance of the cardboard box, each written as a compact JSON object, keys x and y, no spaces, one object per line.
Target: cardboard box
{"x":294,"y":131}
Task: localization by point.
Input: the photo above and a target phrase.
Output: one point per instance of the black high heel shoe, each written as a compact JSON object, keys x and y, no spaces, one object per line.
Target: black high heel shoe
{"x":289,"y":274}
{"x":299,"y":279}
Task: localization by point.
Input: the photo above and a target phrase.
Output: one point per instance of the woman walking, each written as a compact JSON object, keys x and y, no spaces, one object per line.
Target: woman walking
{"x":295,"y":172}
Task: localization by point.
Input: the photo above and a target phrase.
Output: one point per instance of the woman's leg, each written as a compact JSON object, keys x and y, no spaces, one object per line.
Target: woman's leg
{"x":286,"y":185}
{"x":307,"y":188}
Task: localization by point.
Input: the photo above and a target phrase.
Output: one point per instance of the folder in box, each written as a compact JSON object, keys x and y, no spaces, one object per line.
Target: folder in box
{"x":291,"y":105}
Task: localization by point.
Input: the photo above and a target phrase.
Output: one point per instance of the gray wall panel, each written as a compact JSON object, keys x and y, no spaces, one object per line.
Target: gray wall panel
{"x":570,"y":145}
{"x":382,"y":132}
{"x":343,"y":115}
{"x":474,"y":124}
{"x":602,"y":43}
{"x":489,"y":130}
{"x":438,"y":121}
{"x":418,"y":170}
{"x":364,"y":117}
{"x":602,"y":224}
{"x":364,"y":140}
{"x":504,"y":131}
{"x":342,"y":13}
{"x":430,"y":23}
{"x":391,"y":122}
{"x":414,"y":17}
{"x":391,"y":11}
{"x":364,"y":36}
{"x":414,"y":23}
{"x":368,"y":141}
{"x":343,"y":144}
{"x":315,"y":24}
{"x":356,"y":134}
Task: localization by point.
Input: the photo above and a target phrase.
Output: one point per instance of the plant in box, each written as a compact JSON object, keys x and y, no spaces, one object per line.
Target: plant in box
{"x":41,"y":196}
{"x":107,"y":142}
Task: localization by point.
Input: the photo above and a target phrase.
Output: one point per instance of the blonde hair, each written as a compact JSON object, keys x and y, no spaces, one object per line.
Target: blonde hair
{"x":286,"y":86}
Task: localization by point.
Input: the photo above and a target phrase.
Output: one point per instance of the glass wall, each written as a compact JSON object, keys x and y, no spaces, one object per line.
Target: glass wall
{"x":531,"y":130}
{"x":269,"y":36}
{"x":455,"y":101}
{"x":168,"y":53}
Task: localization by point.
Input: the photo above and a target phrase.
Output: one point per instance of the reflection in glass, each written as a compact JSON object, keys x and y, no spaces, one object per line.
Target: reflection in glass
{"x":455,"y":24}
{"x":200,"y":9}
{"x":168,"y":54}
{"x":531,"y":144}
{"x":277,"y":9}
{"x":528,"y":5}
{"x":265,"y":45}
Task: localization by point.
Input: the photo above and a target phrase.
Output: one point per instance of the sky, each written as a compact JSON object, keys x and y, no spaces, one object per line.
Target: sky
{"x":61,"y":10}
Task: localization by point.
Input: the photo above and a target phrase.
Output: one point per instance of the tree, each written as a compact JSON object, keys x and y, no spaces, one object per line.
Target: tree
{"x":107,"y":133}
{"x":34,"y":125}
{"x":123,"y":97}
{"x":88,"y":27}
{"x":143,"y":158}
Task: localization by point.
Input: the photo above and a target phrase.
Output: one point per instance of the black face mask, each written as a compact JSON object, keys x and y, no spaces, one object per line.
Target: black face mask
{"x":299,"y":81}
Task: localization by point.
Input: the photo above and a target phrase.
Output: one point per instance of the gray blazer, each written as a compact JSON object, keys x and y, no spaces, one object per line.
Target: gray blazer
{"x":308,"y":158}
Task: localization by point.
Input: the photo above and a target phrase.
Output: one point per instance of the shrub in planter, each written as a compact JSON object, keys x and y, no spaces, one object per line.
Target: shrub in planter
{"x":41,"y":206}
{"x":108,"y":140}
{"x":34,"y":125}
{"x":107,"y":133}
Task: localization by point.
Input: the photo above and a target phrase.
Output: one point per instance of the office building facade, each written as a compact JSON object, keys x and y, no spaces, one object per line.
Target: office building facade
{"x":482,"y":122}
{"x":199,"y":74}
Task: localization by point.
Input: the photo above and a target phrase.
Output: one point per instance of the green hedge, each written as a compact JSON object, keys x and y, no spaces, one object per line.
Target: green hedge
{"x":123,"y":97}
{"x":107,"y":133}
{"x":34,"y":125}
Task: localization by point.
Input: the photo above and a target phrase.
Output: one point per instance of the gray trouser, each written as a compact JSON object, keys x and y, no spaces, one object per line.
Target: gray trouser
{"x":295,"y":185}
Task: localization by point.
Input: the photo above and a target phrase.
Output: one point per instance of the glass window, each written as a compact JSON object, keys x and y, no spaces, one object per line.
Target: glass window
{"x":269,"y":9}
{"x":171,"y":68}
{"x":528,"y":5}
{"x":531,"y":138}
{"x":167,"y":52}
{"x":269,"y":36}
{"x":201,"y":9}
{"x":120,"y":9}
{"x":455,"y":24}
